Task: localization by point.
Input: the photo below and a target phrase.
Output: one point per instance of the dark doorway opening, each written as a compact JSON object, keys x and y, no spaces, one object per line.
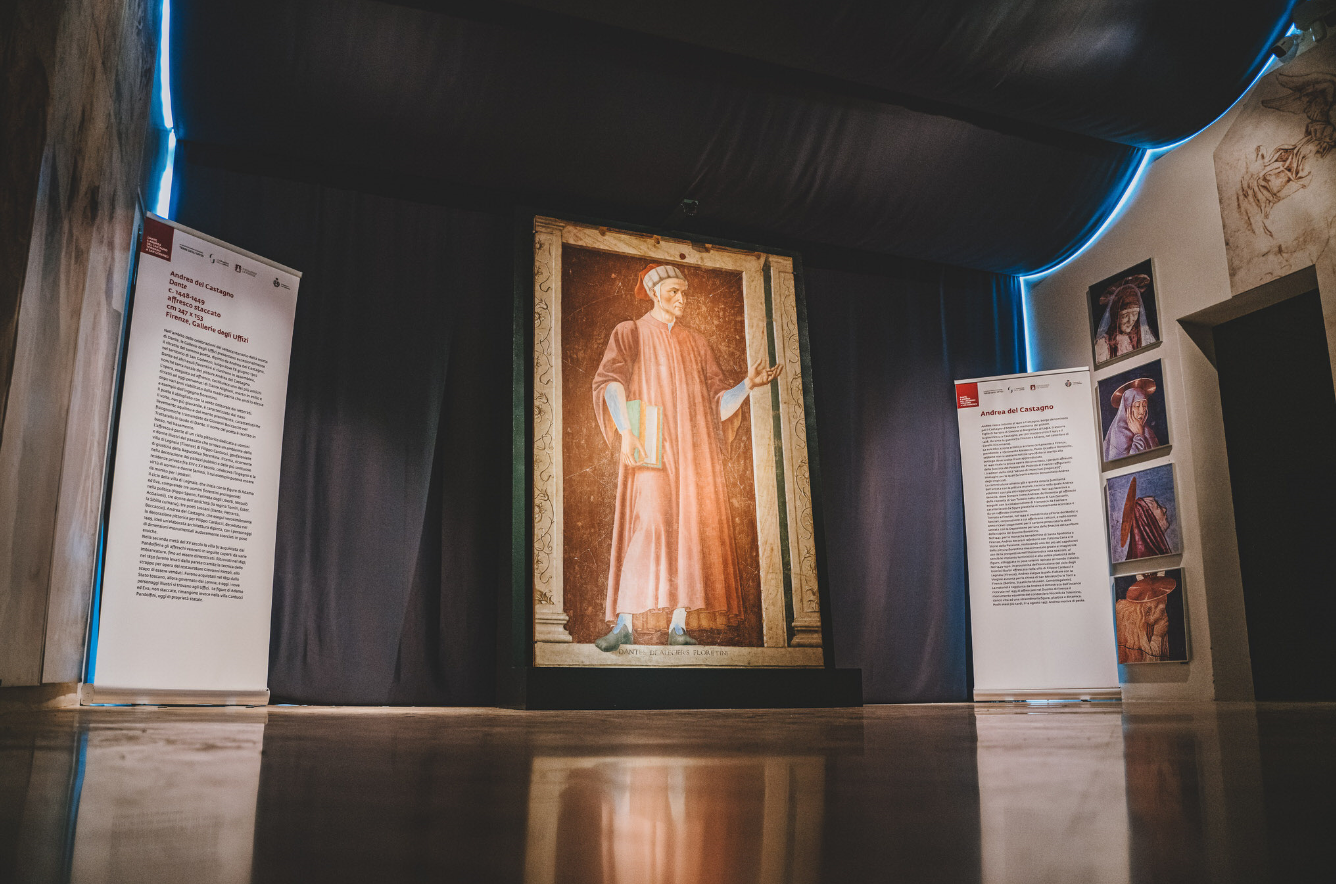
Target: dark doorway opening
{"x":1278,"y":411}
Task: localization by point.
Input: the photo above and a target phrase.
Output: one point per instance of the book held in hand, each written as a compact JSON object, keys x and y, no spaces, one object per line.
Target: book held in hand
{"x":645,"y":424}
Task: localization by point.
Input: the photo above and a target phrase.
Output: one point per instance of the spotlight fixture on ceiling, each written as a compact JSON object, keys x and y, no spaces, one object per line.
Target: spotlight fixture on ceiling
{"x":1312,"y":21}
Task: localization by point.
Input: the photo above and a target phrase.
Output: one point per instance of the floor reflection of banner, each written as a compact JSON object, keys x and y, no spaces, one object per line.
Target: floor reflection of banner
{"x":1049,"y":782}
{"x":674,"y":820}
{"x":169,"y":802}
{"x":1041,"y":610}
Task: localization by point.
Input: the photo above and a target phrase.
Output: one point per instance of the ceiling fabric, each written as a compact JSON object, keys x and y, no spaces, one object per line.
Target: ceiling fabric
{"x":980,"y":135}
{"x":1141,"y":72}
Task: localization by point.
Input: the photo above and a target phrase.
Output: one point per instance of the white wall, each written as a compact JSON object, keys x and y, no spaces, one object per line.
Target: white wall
{"x":1174,"y":219}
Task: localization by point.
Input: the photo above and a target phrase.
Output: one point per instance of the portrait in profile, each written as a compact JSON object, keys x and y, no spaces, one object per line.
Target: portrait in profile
{"x":1143,"y":518}
{"x":1123,"y":310}
{"x":1133,"y":412}
{"x":672,"y":510}
{"x":1150,"y":617}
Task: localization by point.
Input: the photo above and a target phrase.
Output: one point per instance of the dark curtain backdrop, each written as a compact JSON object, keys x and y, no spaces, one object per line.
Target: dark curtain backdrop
{"x":886,"y":349}
{"x":394,"y":497}
{"x":395,"y":486}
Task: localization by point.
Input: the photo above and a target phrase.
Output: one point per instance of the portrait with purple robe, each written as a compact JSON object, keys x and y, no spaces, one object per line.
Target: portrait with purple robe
{"x":1133,"y":412}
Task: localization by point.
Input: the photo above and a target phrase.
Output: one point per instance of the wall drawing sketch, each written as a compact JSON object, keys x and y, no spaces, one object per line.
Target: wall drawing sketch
{"x":1275,"y":172}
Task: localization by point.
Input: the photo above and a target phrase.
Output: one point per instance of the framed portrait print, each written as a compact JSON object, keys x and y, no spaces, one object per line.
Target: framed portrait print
{"x":1150,"y":617}
{"x":1133,"y":412}
{"x":671,"y":513}
{"x":1144,"y":519}
{"x":1123,"y":312}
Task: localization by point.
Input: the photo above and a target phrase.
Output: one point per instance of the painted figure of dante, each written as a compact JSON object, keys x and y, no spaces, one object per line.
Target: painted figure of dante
{"x":1141,"y":622}
{"x":1143,"y":526}
{"x":1124,"y":326}
{"x":1129,"y":432}
{"x":673,"y":535}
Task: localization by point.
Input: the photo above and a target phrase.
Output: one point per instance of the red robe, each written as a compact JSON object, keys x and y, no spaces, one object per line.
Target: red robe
{"x":673,"y":537}
{"x":1146,"y":538}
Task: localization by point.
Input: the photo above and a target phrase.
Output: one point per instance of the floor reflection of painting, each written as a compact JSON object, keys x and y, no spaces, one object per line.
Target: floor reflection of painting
{"x":1275,"y":172}
{"x":674,"y":820}
{"x":1150,"y":617}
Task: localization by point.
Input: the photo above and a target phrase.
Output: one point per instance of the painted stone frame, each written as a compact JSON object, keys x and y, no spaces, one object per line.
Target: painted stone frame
{"x":781,"y":507}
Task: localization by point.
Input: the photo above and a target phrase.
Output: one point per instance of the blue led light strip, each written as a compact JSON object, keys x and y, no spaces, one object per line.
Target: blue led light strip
{"x":1135,"y":182}
{"x":163,"y":205}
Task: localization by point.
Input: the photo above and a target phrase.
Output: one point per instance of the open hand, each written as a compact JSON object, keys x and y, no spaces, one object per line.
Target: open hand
{"x":759,"y":375}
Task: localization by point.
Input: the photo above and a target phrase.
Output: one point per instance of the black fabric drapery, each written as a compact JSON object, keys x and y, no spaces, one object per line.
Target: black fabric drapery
{"x":990,"y":134}
{"x":395,"y":483}
{"x":628,"y":128}
{"x":1118,"y":70}
{"x":886,"y":349}
{"x":394,"y":500}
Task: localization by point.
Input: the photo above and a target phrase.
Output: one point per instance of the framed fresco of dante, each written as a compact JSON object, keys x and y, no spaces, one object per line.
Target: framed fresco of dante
{"x":1123,"y":312}
{"x":1133,"y":412}
{"x":1150,"y":617}
{"x":672,"y":515}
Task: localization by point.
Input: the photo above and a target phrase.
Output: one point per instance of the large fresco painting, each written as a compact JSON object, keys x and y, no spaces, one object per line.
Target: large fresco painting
{"x":1275,"y":172}
{"x":672,"y":508}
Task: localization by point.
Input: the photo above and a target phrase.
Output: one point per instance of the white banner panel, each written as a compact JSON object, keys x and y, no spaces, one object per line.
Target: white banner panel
{"x":189,"y":565}
{"x":1042,"y":619}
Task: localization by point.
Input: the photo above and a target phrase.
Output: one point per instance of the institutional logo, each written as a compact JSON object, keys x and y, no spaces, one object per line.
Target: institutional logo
{"x":156,"y":239}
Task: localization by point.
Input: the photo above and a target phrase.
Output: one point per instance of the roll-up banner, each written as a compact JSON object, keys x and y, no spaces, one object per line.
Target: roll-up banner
{"x":182,"y":613}
{"x":1042,"y":619}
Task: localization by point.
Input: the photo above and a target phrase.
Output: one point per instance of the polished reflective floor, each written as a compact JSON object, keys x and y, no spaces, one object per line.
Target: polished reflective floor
{"x":1211,"y":792}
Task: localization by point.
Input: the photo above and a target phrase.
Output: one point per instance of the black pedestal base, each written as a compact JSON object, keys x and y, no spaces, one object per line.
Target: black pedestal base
{"x":616,"y":688}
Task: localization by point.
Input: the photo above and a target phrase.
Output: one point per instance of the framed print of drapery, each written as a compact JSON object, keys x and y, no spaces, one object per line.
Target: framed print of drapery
{"x":672,"y":513}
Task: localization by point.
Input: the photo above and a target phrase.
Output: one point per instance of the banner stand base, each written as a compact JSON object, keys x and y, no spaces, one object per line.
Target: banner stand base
{"x":1071,"y":695}
{"x":98,"y":695}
